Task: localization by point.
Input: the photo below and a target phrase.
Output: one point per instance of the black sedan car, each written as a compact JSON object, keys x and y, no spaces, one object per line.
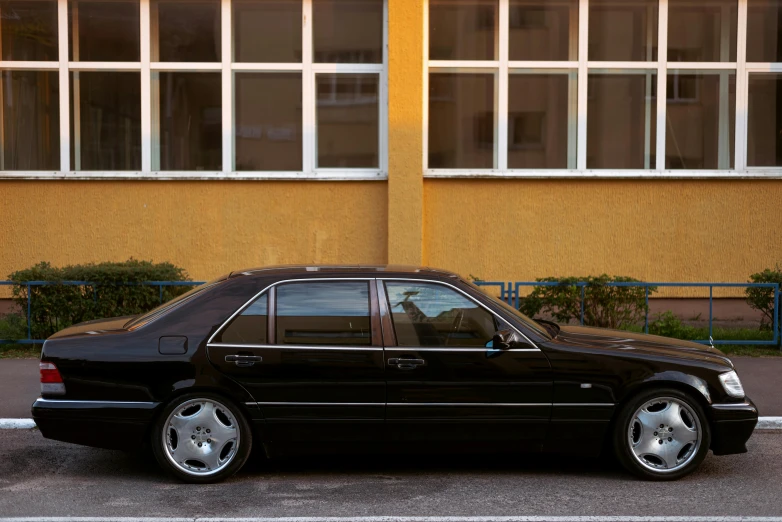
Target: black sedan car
{"x":382,"y":358}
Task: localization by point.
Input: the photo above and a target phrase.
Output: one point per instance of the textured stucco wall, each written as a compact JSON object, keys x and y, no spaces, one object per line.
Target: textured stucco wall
{"x":209,"y":228}
{"x":405,"y":131}
{"x":659,"y":230}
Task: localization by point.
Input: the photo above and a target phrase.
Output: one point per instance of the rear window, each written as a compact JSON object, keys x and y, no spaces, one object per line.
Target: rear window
{"x":163,"y":309}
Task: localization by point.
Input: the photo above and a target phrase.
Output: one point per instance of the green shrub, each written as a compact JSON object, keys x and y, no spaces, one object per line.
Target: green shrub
{"x":762,"y":299}
{"x":604,"y":306}
{"x":668,"y":325}
{"x":113,"y":291}
{"x":13,"y":327}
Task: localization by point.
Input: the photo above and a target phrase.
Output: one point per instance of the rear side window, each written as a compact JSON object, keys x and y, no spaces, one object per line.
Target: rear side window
{"x":250,"y":326}
{"x":323,"y":313}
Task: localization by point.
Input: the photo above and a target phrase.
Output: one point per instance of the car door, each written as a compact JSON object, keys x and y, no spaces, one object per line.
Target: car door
{"x":445,"y":380}
{"x":310,"y":353}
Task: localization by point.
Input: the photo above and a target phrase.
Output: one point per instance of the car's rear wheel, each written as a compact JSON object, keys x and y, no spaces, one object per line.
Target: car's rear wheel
{"x":201,"y":438}
{"x":661,"y":434}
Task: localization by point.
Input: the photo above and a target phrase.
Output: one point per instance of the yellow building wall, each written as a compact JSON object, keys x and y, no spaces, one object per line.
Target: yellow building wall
{"x":209,"y":228}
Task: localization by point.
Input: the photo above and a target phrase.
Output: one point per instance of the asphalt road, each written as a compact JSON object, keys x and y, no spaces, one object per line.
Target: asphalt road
{"x":44,"y":478}
{"x":761,"y":377}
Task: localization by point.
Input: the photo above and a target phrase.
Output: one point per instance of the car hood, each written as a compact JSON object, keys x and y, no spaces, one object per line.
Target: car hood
{"x":98,"y":326}
{"x":645,"y":343}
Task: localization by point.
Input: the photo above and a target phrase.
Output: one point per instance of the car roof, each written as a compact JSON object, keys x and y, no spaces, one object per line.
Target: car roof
{"x":303,"y":270}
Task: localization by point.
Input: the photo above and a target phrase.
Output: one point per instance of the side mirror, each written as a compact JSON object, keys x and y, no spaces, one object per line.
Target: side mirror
{"x":502,"y":339}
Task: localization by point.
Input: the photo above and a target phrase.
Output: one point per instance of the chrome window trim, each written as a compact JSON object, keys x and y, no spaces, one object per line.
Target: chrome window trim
{"x":277,"y":283}
{"x":452,"y":349}
{"x":298,"y":347}
{"x":470,"y":298}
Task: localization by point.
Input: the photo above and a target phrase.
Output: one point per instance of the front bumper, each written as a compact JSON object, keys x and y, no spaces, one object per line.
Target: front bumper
{"x":732,"y":425}
{"x":101,"y":424}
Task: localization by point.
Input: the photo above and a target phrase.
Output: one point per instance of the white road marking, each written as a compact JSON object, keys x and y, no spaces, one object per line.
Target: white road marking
{"x":764,"y":423}
{"x":405,"y":519}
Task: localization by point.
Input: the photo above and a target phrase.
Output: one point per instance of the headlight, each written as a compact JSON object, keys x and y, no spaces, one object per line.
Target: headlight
{"x":730,"y":381}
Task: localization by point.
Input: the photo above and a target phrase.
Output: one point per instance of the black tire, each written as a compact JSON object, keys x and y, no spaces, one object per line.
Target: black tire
{"x":623,"y":447}
{"x":239,"y":454}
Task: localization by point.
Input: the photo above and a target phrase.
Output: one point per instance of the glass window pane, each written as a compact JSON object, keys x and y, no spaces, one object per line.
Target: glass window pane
{"x":764,"y":31}
{"x":347,"y":120}
{"x":461,"y":121}
{"x":106,"y":120}
{"x":623,"y":31}
{"x":323,"y":313}
{"x":701,"y":114}
{"x":249,"y":327}
{"x":268,"y":121}
{"x":622,"y":122}
{"x":543,"y":30}
{"x":187,"y":31}
{"x":190,"y":120}
{"x":104,"y":31}
{"x":426,"y":314}
{"x":267,"y":31}
{"x":347,"y":31}
{"x":31,"y":120}
{"x":463,"y":29}
{"x":764,"y":136}
{"x":542,"y":114}
{"x":29,"y":30}
{"x":703,"y":31}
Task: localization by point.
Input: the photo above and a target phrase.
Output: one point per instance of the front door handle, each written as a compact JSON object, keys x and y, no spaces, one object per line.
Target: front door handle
{"x":406,"y":364}
{"x":243,"y":360}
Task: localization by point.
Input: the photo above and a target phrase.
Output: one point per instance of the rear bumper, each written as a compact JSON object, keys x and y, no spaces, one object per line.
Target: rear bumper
{"x":102,"y":424}
{"x":732,"y":425}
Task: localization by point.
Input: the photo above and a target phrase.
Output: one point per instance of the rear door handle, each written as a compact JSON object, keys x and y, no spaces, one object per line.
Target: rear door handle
{"x":406,"y":364}
{"x":243,"y":360}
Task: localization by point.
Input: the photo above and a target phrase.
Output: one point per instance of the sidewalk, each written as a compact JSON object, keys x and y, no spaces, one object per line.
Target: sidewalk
{"x":761,"y":377}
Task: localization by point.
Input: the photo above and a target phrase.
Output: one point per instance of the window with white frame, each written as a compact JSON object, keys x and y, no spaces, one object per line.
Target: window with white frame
{"x":193,"y":88}
{"x":629,"y":87}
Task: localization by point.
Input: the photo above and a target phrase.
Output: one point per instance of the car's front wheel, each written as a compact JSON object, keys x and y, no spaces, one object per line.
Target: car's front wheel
{"x":201,"y":438}
{"x":661,"y":434}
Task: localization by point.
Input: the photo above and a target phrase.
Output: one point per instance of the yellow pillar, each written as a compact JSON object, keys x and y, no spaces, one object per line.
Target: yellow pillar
{"x":405,"y":131}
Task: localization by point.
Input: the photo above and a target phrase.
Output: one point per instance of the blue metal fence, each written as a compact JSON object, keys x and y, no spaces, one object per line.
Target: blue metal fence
{"x":509,"y":292}
{"x":30,"y":284}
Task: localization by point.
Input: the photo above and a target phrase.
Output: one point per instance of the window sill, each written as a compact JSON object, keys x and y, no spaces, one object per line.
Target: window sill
{"x":318,"y":175}
{"x":752,"y":173}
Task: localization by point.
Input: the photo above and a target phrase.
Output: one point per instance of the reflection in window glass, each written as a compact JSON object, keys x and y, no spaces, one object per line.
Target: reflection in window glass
{"x":621,"y":127}
{"x":268,"y":121}
{"x":190,"y":120}
{"x":187,"y":31}
{"x":347,"y":120}
{"x":461,"y":121}
{"x":623,"y":31}
{"x":29,"y":30}
{"x":249,"y":327}
{"x":543,"y":29}
{"x":541,"y":121}
{"x":764,"y":136}
{"x":31,"y":120}
{"x":426,"y":314}
{"x":106,"y":120}
{"x":764,"y":31}
{"x":347,"y":31}
{"x":463,"y":30}
{"x":702,"y":31}
{"x":701,"y":109}
{"x":104,"y":30}
{"x":267,"y":31}
{"x":323,"y":313}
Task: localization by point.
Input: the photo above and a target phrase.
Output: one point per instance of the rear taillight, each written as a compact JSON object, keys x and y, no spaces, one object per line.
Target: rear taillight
{"x":51,"y":380}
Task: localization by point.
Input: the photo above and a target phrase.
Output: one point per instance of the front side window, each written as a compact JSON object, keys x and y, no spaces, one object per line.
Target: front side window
{"x":323,"y":313}
{"x":434,"y":315}
{"x":250,"y":326}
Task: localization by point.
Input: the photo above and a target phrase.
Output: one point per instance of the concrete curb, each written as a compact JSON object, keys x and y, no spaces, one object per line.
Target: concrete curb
{"x":764,"y":423}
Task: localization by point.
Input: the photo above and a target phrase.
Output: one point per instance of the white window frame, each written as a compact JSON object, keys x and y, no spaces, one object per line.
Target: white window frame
{"x":227,"y":68}
{"x":583,"y":66}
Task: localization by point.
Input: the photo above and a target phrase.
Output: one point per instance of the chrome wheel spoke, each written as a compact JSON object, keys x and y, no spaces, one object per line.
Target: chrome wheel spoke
{"x":649,"y":420}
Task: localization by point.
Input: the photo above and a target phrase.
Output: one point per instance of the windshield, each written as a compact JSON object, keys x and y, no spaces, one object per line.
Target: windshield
{"x":530,"y":323}
{"x":165,"y":307}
